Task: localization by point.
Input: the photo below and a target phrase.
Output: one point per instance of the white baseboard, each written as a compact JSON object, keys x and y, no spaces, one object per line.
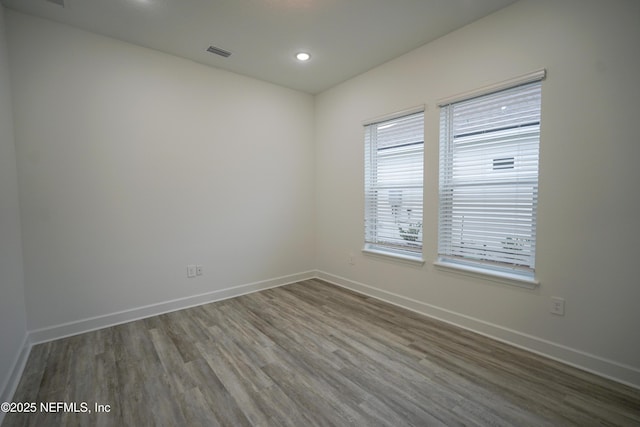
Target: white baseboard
{"x":86,"y":325}
{"x":91,"y":324}
{"x":11,"y":384}
{"x":624,"y":374}
{"x":600,"y":366}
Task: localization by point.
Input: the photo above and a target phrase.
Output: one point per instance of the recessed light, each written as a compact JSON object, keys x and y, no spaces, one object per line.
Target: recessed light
{"x":303,"y":56}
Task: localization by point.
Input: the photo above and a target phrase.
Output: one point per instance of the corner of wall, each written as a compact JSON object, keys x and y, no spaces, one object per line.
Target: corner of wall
{"x":15,"y":347}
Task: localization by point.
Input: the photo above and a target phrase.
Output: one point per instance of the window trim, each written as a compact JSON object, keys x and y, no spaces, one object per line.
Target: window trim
{"x":383,"y":118}
{"x":504,"y":277}
{"x":468,"y":267}
{"x":375,"y":250}
{"x":534,"y":76}
{"x":397,"y":255}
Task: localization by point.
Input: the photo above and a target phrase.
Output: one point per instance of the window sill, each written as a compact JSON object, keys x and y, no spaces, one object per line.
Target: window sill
{"x":409,"y":259}
{"x":495,"y":276}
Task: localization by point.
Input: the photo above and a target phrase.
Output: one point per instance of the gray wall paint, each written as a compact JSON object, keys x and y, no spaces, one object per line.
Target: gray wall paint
{"x":133,"y":164}
{"x":588,"y":202}
{"x":13,"y":330}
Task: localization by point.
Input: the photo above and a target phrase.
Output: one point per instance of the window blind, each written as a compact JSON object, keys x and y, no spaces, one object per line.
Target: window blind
{"x":394,"y":157}
{"x":488,"y":187}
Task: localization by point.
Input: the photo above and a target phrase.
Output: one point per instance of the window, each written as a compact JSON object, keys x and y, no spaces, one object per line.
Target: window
{"x":394,"y":157}
{"x":489,"y":181}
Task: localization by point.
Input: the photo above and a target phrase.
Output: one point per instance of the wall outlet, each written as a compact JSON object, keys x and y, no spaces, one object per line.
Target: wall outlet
{"x":557,"y":306}
{"x":199,"y":270}
{"x":191,"y":270}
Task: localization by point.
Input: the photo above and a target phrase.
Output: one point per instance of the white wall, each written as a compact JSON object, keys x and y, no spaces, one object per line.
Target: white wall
{"x":13,"y":329}
{"x":133,"y":163}
{"x":589,"y":201}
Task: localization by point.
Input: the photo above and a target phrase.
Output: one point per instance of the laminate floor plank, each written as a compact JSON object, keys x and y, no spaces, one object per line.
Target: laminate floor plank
{"x":308,"y":354}
{"x":219,"y":402}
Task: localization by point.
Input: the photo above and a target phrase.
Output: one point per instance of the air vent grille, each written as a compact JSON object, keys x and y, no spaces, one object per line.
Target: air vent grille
{"x":504,"y":163}
{"x":218,"y":51}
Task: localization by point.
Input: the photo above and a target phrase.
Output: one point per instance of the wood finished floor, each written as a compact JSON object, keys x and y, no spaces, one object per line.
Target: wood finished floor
{"x":309,"y":354}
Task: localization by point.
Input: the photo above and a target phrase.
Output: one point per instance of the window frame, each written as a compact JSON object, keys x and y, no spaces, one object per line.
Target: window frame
{"x":374,"y":243}
{"x":500,"y":272}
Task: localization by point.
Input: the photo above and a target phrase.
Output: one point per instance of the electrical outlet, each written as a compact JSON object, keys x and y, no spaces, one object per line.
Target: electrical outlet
{"x":191,"y":270}
{"x":557,"y":306}
{"x":199,"y":270}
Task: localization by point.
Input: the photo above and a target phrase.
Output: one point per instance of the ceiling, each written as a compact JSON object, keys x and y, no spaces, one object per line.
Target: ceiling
{"x":344,"y":37}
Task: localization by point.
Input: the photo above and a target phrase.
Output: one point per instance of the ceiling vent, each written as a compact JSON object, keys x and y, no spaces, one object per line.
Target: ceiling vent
{"x":58,"y":2}
{"x":218,"y":51}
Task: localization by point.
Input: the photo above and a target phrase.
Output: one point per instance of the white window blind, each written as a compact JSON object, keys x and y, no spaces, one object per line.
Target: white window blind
{"x":394,"y":157}
{"x":489,"y":180}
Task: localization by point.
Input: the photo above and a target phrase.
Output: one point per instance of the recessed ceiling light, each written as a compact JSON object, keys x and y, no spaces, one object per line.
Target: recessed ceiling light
{"x":303,"y":56}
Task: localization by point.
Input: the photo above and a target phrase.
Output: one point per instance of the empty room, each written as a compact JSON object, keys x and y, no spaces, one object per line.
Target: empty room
{"x":319,"y":212}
